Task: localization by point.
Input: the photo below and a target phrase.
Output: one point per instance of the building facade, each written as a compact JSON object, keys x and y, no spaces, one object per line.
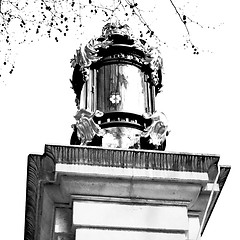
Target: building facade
{"x":115,"y":180}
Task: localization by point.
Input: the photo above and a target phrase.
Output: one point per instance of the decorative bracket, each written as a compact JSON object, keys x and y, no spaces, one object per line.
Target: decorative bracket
{"x":86,"y":127}
{"x":158,"y":130}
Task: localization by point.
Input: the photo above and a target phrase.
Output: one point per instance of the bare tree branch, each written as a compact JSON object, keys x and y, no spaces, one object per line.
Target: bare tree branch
{"x":53,"y":18}
{"x":180,"y":17}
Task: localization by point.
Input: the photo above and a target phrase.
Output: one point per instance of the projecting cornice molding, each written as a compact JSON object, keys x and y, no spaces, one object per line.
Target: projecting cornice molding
{"x":131,"y":158}
{"x":40,"y":169}
{"x":224,"y":172}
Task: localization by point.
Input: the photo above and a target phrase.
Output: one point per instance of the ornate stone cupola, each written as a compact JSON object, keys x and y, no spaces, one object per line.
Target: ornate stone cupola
{"x":120,"y":187}
{"x":116,"y":78}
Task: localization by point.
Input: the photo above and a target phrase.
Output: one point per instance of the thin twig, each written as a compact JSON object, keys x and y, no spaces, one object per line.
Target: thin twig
{"x":179,"y":15}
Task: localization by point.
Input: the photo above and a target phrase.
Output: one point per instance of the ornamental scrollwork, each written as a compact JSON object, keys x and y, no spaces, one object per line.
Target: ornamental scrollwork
{"x":158,"y":130}
{"x":87,"y":54}
{"x":86,"y":127}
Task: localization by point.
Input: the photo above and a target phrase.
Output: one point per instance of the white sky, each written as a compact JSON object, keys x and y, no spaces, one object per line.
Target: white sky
{"x":200,"y":98}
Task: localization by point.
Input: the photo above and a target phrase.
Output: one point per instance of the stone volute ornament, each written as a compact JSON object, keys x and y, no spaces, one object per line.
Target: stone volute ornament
{"x":116,"y":78}
{"x":86,"y":127}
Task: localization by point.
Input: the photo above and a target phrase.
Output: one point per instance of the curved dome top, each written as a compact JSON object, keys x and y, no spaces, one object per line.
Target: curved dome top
{"x":116,"y":29}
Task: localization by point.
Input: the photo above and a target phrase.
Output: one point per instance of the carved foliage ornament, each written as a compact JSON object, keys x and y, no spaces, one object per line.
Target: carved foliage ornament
{"x":158,"y":130}
{"x":86,"y":127}
{"x":116,"y":28}
{"x":88,"y":54}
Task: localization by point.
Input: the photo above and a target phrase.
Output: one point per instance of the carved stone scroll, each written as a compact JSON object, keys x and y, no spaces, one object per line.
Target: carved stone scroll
{"x":157,"y":131}
{"x":86,"y":127}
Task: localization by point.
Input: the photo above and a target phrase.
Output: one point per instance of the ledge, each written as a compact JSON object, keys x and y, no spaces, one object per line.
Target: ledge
{"x":133,"y":158}
{"x":131,"y":173}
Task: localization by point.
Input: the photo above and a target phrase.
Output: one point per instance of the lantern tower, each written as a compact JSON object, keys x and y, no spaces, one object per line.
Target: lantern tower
{"x":116,"y":79}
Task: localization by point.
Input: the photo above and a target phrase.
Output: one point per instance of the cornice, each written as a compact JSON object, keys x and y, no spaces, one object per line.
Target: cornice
{"x":132,"y":158}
